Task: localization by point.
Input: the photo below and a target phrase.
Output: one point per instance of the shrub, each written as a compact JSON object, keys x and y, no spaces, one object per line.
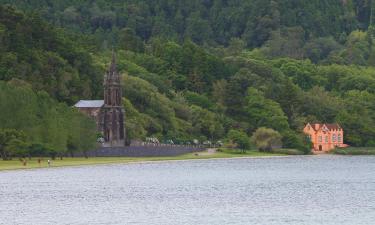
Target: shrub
{"x":293,"y":140}
{"x":266,"y":139}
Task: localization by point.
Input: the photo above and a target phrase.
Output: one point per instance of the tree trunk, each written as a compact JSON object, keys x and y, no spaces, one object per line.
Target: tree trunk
{"x":85,"y":154}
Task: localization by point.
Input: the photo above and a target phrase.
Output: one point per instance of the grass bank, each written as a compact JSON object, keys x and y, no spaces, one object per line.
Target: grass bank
{"x":33,"y":163}
{"x":355,"y":151}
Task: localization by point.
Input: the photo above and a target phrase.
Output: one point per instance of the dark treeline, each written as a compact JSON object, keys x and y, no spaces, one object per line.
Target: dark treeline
{"x":47,"y":57}
{"x":199,"y":69}
{"x":208,"y":21}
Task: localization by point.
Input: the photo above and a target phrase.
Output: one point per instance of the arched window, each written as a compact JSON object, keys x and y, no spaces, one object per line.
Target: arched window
{"x":334,"y":138}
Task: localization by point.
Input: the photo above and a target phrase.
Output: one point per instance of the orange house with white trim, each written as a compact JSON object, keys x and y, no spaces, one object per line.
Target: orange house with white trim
{"x":325,"y":137}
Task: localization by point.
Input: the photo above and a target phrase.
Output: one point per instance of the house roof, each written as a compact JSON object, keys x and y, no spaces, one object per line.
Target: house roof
{"x":89,"y":104}
{"x":330,"y":126}
{"x":333,"y":126}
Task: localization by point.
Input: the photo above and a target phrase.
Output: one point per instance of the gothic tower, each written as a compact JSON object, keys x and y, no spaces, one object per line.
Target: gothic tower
{"x":113,"y":111}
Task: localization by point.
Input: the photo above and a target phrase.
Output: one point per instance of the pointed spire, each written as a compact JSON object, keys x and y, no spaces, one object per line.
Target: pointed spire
{"x":112,"y":67}
{"x":113,"y":56}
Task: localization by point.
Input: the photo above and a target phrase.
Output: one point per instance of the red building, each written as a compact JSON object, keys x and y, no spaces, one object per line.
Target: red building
{"x":325,"y":137}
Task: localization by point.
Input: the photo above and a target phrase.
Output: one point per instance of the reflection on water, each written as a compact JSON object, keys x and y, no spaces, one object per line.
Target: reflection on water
{"x":267,"y":191}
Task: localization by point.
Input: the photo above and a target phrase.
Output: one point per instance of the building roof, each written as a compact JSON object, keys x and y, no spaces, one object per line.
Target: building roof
{"x":330,"y":126}
{"x":333,"y":126}
{"x":89,"y":104}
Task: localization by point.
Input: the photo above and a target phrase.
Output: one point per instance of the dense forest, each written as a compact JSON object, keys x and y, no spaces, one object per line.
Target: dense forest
{"x":191,"y":69}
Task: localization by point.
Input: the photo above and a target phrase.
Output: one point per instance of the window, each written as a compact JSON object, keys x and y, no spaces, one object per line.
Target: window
{"x":339,"y":138}
{"x":334,"y":138}
{"x":320,"y":138}
{"x":326,"y":139}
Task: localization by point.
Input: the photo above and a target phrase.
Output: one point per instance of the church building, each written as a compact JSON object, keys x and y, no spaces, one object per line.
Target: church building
{"x":109,"y":113}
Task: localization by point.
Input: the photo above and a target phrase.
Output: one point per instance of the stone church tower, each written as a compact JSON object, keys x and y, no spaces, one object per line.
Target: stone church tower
{"x":112,"y":111}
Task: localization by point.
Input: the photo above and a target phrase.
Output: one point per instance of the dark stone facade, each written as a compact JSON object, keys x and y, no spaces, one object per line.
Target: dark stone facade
{"x":113,"y":114}
{"x":109,"y":113}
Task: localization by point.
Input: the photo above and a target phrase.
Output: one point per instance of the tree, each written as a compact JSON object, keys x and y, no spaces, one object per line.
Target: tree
{"x":130,"y":41}
{"x":239,"y":138}
{"x":264,"y":112}
{"x":287,"y":42}
{"x":10,"y":140}
{"x":300,"y":142}
{"x":266,"y":139}
{"x":17,"y":148}
{"x":206,"y":123}
{"x":36,"y":118}
{"x":236,"y":46}
{"x":219,"y":89}
{"x":320,"y":48}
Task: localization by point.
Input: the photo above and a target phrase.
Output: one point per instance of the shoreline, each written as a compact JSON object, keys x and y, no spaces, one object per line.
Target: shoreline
{"x":74,"y":162}
{"x":149,"y":160}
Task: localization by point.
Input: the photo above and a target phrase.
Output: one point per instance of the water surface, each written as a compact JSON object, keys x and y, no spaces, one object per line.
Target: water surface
{"x":267,"y":191}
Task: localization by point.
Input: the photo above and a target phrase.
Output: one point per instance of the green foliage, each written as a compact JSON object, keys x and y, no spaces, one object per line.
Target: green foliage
{"x":37,"y":118}
{"x":239,"y":138}
{"x":187,"y":72}
{"x":297,"y":141}
{"x":199,"y":100}
{"x":206,"y":123}
{"x":48,"y":58}
{"x":16,"y":147}
{"x":264,"y":112}
{"x":130,"y":41}
{"x":266,"y":139}
{"x":9,"y":139}
{"x":204,"y":21}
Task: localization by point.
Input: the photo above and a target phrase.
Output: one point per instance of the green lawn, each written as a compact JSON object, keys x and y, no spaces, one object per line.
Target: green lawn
{"x":33,"y":163}
{"x":355,"y":151}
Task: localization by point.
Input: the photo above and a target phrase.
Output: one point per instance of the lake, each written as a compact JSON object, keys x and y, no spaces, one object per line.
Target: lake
{"x":282,"y":190}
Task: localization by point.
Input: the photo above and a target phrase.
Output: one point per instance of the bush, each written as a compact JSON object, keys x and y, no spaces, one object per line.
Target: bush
{"x":266,"y":139}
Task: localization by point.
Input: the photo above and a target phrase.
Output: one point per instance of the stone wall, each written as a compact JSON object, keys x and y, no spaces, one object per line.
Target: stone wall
{"x":141,"y":151}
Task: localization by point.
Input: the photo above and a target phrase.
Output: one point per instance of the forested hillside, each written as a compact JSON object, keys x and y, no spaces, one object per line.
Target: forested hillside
{"x":210,"y":21}
{"x":196,"y":69}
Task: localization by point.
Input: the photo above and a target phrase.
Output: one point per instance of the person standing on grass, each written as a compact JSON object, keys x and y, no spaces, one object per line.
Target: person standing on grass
{"x":49,"y":163}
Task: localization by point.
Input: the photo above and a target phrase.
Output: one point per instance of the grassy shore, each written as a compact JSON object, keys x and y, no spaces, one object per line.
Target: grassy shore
{"x":33,"y":163}
{"x":355,"y":151}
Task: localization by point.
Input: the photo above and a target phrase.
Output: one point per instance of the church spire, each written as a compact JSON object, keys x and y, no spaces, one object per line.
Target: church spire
{"x":112,"y":70}
{"x":113,"y":111}
{"x":112,"y":84}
